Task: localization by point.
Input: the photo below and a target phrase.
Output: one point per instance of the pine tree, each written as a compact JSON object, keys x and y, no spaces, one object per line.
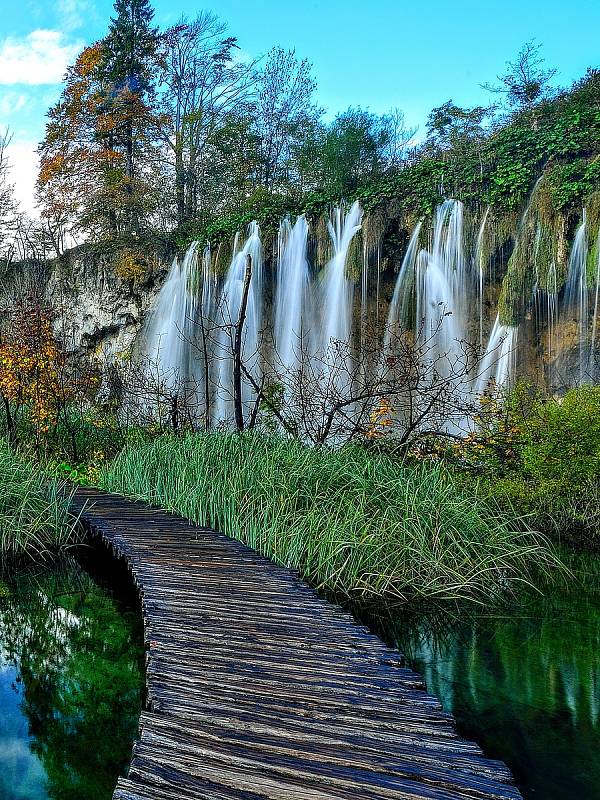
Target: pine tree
{"x":130,"y":52}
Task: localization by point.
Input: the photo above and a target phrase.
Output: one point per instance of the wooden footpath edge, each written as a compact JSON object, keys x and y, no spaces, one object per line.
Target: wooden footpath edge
{"x":260,"y":689}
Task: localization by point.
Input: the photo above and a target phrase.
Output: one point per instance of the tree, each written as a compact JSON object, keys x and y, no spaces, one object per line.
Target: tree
{"x":525,"y":82}
{"x":127,"y":72}
{"x":9,"y":215}
{"x":284,"y":111}
{"x":42,"y":381}
{"x":204,"y":100}
{"x":357,"y":147}
{"x":450,"y":127}
{"x":98,"y":155}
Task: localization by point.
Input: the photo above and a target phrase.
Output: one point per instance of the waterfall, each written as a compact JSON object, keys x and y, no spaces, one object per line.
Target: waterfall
{"x":291,"y":314}
{"x":170,"y":327}
{"x":575,"y":299}
{"x":437,"y":299}
{"x":480,"y":267}
{"x":337,"y":288}
{"x":496,"y":367}
{"x":594,"y":349}
{"x":227,"y":310}
{"x":444,"y":287}
{"x":398,"y":314}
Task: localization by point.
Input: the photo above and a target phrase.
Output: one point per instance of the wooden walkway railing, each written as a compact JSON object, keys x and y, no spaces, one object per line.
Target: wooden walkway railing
{"x":260,"y":689}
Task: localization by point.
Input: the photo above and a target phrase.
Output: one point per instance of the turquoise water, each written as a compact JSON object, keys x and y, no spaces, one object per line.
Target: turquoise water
{"x":71,"y":686}
{"x":523,"y":682}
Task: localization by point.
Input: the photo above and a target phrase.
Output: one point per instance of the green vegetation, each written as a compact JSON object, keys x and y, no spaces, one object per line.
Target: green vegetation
{"x":349,"y":521}
{"x":34,"y":510}
{"x":540,"y":457}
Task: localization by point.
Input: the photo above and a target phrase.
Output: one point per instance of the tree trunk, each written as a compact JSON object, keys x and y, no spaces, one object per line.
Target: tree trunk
{"x":179,"y":180}
{"x":237,"y":349}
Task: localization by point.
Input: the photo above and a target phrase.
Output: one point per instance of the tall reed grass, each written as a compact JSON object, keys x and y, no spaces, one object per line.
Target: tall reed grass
{"x":350,"y":522}
{"x":35,"y":520}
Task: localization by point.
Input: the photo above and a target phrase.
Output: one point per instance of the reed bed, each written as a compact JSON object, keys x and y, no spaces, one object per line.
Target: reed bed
{"x":35,"y":521}
{"x":351,"y":522}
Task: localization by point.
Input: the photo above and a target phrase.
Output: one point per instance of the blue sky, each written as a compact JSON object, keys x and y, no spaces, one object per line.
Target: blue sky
{"x":382,"y":54}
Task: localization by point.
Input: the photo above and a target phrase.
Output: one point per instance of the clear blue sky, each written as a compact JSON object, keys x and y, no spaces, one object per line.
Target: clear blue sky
{"x":378,"y":54}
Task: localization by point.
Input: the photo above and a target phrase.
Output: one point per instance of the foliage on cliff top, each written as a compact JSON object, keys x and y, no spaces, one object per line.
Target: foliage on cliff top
{"x":498,"y":166}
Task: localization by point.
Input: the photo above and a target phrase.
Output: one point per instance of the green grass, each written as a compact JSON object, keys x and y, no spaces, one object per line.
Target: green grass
{"x":350,"y":522}
{"x":35,"y":521}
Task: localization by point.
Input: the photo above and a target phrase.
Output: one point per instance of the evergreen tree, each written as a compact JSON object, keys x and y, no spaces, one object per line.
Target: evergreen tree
{"x":130,"y":53}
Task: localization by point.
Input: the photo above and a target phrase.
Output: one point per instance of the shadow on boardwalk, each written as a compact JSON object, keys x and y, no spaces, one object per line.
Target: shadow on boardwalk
{"x":258,"y":688}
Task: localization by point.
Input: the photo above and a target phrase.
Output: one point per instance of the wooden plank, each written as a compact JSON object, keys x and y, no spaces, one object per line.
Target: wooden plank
{"x":258,"y":689}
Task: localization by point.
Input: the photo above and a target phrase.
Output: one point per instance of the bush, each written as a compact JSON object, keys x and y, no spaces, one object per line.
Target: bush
{"x":540,"y":458}
{"x":561,"y":439}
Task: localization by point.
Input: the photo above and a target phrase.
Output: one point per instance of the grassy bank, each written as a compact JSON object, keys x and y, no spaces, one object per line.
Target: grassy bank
{"x":349,"y":521}
{"x":34,"y":510}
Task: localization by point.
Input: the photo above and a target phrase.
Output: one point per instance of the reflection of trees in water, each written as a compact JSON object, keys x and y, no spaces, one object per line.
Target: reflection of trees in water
{"x":523,"y":680}
{"x":80,"y":661}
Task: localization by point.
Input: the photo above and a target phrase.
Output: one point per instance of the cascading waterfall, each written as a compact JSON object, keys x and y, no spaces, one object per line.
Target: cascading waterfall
{"x":170,"y":327}
{"x":444,"y":285}
{"x":227,"y":311}
{"x":292,"y":313}
{"x":336,"y":291}
{"x":575,"y":300}
{"x":480,"y":268}
{"x":398,"y":314}
{"x":496,"y":367}
{"x":594,"y":345}
{"x":437,"y":301}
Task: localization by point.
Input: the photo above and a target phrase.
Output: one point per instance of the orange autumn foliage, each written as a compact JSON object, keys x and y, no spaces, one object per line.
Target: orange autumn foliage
{"x":33,"y":366}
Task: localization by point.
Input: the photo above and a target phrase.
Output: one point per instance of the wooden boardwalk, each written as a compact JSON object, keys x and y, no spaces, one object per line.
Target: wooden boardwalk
{"x":258,"y":688}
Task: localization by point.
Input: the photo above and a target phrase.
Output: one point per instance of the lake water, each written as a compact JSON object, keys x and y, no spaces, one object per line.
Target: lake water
{"x":523,"y":682}
{"x":71,"y":685}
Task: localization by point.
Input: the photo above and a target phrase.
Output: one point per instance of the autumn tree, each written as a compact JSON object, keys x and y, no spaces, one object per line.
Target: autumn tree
{"x":96,"y":158}
{"x":29,"y":366}
{"x":75,"y":165}
{"x":43,"y":381}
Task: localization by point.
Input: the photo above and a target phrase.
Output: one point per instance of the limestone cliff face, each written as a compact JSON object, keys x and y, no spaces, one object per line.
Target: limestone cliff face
{"x":99,"y":311}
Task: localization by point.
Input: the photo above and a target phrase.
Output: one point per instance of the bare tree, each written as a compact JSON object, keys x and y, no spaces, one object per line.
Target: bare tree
{"x":9,"y":209}
{"x":525,"y":82}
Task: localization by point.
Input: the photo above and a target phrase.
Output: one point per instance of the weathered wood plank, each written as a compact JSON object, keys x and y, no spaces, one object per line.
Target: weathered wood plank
{"x":258,"y":689}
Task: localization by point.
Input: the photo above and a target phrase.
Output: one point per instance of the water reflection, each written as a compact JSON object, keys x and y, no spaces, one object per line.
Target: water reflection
{"x":523,"y":682}
{"x":70,"y":686}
